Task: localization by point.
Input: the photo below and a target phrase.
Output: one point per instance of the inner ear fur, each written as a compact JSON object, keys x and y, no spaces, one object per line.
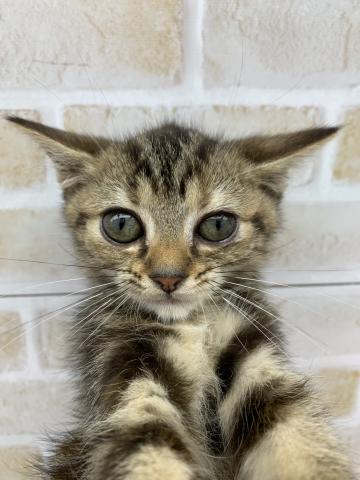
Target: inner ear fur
{"x":73,"y":154}
{"x":271,"y":157}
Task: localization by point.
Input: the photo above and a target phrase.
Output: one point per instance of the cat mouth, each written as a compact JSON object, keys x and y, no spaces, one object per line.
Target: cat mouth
{"x":168,"y":300}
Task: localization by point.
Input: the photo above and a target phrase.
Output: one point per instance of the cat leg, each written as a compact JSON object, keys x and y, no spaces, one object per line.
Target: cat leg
{"x":145,"y":438}
{"x":66,"y":458}
{"x":272,"y":427}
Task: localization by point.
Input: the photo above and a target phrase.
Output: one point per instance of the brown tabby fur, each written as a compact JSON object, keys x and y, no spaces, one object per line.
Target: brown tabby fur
{"x":199,"y":388}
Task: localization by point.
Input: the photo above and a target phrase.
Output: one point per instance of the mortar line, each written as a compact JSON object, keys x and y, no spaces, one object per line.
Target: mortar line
{"x":180,"y":95}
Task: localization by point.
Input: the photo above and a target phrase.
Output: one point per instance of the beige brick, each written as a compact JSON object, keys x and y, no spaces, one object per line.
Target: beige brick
{"x":338,"y":389}
{"x":282,"y":44}
{"x":112,"y":122}
{"x":53,"y":343}
{"x":12,"y":343}
{"x":233,"y":122}
{"x":89,"y":44}
{"x":22,"y":164}
{"x":35,"y":235}
{"x":347,"y":166}
{"x":34,"y":407}
{"x":16,"y":462}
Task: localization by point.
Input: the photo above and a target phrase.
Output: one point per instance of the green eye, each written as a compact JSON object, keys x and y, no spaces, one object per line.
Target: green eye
{"x":121,"y":227}
{"x":217,"y":227}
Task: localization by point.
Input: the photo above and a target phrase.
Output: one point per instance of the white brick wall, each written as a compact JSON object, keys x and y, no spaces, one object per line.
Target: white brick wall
{"x":232,"y":66}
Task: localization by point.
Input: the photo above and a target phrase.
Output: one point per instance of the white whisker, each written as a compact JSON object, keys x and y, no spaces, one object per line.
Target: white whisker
{"x":298,"y":329}
{"x":277,"y":347}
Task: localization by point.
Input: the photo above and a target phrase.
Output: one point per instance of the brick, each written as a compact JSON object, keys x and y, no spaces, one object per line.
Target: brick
{"x":111,"y":122}
{"x":12,"y":344}
{"x":330,"y":316}
{"x":338,"y":389}
{"x":34,"y":235}
{"x":233,"y":122}
{"x":287,"y":44}
{"x":22,"y":164}
{"x":347,"y":166}
{"x":129,"y":43}
{"x":53,"y":343}
{"x":15,"y":462}
{"x":32,"y":407}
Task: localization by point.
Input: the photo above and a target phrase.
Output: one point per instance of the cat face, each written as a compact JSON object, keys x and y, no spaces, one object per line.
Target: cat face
{"x":170,"y":214}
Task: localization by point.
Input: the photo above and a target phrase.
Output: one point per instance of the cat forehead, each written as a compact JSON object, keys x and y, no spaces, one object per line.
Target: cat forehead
{"x":168,"y":161}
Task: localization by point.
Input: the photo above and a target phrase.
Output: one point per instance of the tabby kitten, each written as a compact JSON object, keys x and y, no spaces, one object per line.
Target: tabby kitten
{"x":181,"y":360}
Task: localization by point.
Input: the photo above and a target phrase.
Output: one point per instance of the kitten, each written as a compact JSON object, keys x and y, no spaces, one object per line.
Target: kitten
{"x":182,"y":365}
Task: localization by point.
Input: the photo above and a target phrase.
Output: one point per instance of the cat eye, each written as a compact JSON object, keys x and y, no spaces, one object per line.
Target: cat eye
{"x":217,"y":227}
{"x":121,"y":226}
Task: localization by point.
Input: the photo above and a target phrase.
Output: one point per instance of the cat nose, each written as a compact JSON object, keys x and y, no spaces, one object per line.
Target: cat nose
{"x":168,"y":283}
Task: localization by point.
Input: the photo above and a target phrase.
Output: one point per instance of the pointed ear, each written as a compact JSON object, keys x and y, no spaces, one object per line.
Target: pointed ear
{"x":271,"y":157}
{"x":73,"y":154}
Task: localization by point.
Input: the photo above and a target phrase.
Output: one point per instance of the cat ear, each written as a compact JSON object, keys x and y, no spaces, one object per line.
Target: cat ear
{"x":271,"y":157}
{"x":73,"y":154}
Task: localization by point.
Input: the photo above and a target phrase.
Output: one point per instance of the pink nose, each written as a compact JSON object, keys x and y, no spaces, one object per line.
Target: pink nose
{"x":168,"y":283}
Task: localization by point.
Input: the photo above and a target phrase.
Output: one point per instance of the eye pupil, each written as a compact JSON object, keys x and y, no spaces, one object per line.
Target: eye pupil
{"x":121,"y":226}
{"x":217,"y":228}
{"x":122,"y":223}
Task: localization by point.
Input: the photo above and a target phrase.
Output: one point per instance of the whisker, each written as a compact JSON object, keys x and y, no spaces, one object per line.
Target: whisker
{"x":43,"y":262}
{"x":101,"y":324}
{"x":299,"y":329}
{"x":323,"y":347}
{"x":281,"y":270}
{"x":234,"y":330}
{"x":293,"y":287}
{"x":51,"y":282}
{"x":67,"y":295}
{"x":256,"y":306}
{"x":254,"y":324}
{"x":47,"y":319}
{"x":91,"y":314}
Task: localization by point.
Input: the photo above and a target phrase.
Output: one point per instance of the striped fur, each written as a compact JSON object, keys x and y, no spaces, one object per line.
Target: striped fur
{"x":194,"y":384}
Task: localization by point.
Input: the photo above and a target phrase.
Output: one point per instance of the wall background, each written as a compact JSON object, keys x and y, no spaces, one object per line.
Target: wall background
{"x":234,"y":67}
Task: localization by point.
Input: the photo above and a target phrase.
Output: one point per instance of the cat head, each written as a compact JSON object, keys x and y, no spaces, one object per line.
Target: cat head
{"x":172,"y":213}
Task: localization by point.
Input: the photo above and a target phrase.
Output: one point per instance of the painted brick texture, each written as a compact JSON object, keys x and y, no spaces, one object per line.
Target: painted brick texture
{"x":113,"y":44}
{"x":267,"y":44}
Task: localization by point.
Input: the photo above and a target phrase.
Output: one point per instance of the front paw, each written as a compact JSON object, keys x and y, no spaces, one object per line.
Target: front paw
{"x":157,"y":463}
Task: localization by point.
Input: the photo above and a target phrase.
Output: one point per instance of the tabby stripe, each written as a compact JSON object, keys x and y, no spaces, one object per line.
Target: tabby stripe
{"x":70,"y":191}
{"x":213,"y":430}
{"x":261,"y":408}
{"x":205,"y":149}
{"x":242,"y":344}
{"x":259,"y":224}
{"x":127,"y":441}
{"x":113,"y":448}
{"x":139,"y":356}
{"x":270,"y":192}
{"x":81,"y":219}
